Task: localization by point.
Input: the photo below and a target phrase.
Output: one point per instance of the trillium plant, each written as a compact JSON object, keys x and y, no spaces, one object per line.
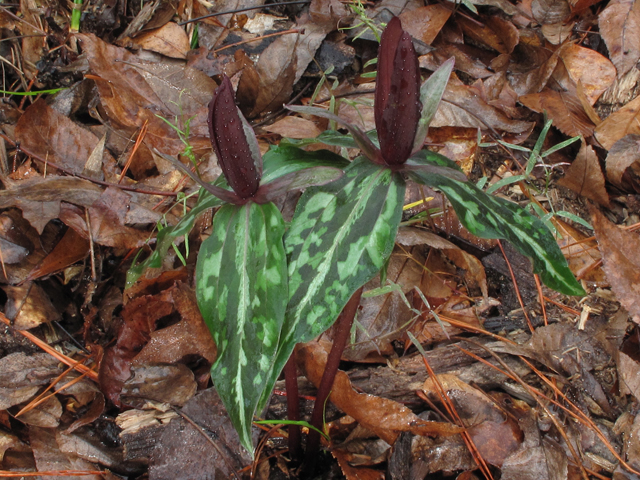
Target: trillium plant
{"x":241,"y":272}
{"x":262,"y":289}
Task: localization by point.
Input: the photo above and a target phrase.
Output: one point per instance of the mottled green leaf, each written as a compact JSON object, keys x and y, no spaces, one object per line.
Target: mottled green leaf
{"x":299,"y":180}
{"x":341,"y":235}
{"x":241,"y":286}
{"x":487,"y":216}
{"x":285,"y":159}
{"x":334,"y":138}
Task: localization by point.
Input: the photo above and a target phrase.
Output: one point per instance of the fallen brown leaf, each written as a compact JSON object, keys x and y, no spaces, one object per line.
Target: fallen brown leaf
{"x":619,"y":250}
{"x":294,"y":127}
{"x":494,"y":32}
{"x":622,"y":163}
{"x":585,"y":177}
{"x":170,"y":40}
{"x":462,"y":107}
{"x":384,"y":417}
{"x":619,"y":124}
{"x":594,"y":71}
{"x":53,"y":136}
{"x":424,"y":23}
{"x":620,"y":28}
{"x":564,"y":109}
{"x":70,"y":249}
{"x":495,"y":434}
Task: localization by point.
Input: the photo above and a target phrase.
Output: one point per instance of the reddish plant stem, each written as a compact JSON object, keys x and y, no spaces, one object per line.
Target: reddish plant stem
{"x":341,"y":336}
{"x":293,"y":407}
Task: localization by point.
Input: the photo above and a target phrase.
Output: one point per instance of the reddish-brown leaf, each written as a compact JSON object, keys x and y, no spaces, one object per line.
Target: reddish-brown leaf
{"x":51,"y":135}
{"x":619,"y":124}
{"x":619,"y":250}
{"x":564,"y":109}
{"x":594,"y":71}
{"x":620,"y":28}
{"x":494,"y":433}
{"x":622,"y":163}
{"x":384,"y":417}
{"x":494,"y":32}
{"x":424,"y":23}
{"x":70,"y":249}
{"x":585,"y":177}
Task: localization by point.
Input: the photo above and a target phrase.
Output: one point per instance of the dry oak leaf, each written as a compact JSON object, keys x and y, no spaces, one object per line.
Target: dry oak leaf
{"x":619,"y":124}
{"x":594,"y":71}
{"x":494,"y":32}
{"x":619,"y":250}
{"x":620,"y":28}
{"x":585,"y":177}
{"x":47,"y":133}
{"x":424,"y":23}
{"x":169,"y":40}
{"x":294,"y":127}
{"x":564,"y":109}
{"x":624,"y":154}
{"x":382,"y":416}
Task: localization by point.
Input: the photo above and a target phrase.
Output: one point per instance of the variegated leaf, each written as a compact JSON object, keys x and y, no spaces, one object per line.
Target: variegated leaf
{"x":340,"y":237}
{"x":487,"y":216}
{"x":241,"y":285}
{"x":285,"y":159}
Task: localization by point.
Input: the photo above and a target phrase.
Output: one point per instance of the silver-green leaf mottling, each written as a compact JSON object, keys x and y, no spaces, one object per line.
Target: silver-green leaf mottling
{"x":341,"y":235}
{"x":241,"y":280}
{"x":487,"y":216}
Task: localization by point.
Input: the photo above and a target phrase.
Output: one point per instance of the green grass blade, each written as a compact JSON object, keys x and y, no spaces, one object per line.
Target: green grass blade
{"x":241,"y":286}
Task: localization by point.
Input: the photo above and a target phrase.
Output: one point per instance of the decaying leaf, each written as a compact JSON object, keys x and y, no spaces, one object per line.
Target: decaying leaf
{"x":53,"y":136}
{"x":585,"y":177}
{"x":294,"y":127}
{"x":594,"y":71}
{"x":620,"y":256}
{"x":170,"y":40}
{"x":622,"y":163}
{"x":424,"y":23}
{"x":138,"y":343}
{"x":619,"y":124}
{"x":173,"y":456}
{"x":29,"y":306}
{"x":564,"y":109}
{"x":494,"y":432}
{"x":620,"y":28}
{"x":462,"y":107}
{"x":269,"y":85}
{"x":384,"y":417}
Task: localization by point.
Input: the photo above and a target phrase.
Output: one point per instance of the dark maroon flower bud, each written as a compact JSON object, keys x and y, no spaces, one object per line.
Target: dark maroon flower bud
{"x":241,"y":164}
{"x":397,"y":105}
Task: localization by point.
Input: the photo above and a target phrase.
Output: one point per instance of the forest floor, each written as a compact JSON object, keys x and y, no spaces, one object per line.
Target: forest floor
{"x":539,"y":385}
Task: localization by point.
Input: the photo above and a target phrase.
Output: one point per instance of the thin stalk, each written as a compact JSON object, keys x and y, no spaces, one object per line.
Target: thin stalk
{"x":343,"y":329}
{"x":293,"y":407}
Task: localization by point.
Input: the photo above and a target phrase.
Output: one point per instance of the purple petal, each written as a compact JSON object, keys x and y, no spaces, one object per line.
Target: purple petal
{"x":398,"y":107}
{"x":386,"y":55}
{"x":230,"y":143}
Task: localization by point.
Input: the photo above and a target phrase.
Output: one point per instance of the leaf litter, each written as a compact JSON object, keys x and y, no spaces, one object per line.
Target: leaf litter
{"x":555,"y":402}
